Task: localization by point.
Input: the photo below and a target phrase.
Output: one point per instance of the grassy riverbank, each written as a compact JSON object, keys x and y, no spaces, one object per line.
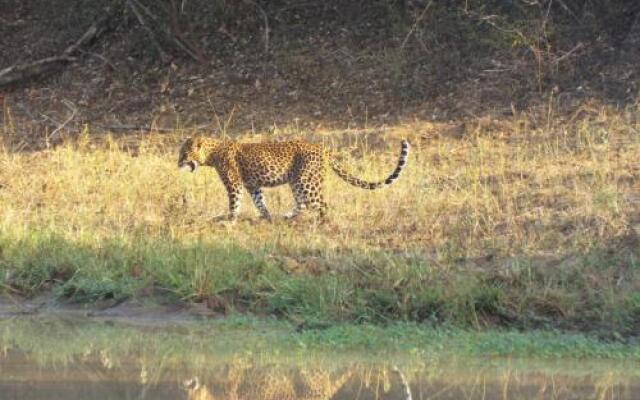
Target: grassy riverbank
{"x":510,"y":224}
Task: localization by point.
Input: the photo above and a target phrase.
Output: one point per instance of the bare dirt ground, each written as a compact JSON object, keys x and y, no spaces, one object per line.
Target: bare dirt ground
{"x":314,"y":65}
{"x":140,"y":312}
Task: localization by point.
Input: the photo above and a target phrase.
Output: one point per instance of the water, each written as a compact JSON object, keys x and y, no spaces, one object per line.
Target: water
{"x":89,"y":360}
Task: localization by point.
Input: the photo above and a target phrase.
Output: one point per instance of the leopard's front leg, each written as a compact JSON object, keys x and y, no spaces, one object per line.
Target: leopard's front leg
{"x":235,"y":195}
{"x":230,"y":176}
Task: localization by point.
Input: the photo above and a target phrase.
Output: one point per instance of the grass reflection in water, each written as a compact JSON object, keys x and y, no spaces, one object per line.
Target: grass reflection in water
{"x":245,"y":359}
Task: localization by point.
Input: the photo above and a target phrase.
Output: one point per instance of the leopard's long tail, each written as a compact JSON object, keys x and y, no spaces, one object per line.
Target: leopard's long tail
{"x":355,"y":181}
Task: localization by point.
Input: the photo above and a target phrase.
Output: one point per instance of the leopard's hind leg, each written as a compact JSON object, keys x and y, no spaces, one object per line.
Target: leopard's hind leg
{"x":308,"y":185}
{"x":299,"y":198}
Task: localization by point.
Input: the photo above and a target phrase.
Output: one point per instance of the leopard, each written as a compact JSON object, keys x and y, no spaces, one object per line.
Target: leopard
{"x":251,"y":167}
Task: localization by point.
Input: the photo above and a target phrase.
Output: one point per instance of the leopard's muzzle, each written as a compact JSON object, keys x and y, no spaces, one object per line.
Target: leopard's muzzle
{"x":189,"y":166}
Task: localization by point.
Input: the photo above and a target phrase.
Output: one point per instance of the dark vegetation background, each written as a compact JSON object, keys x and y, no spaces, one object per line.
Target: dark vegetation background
{"x":328,"y":63}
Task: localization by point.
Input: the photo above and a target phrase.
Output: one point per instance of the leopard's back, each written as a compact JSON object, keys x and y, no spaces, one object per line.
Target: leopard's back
{"x":274,"y":163}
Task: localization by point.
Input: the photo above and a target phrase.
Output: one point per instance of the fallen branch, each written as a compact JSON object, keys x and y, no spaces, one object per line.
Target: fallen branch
{"x":133,"y":5}
{"x":11,"y":24}
{"x":20,"y":72}
{"x":100,"y":26}
{"x":175,"y":37}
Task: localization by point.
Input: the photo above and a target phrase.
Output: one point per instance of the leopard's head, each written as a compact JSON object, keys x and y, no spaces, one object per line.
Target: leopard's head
{"x":192,"y":154}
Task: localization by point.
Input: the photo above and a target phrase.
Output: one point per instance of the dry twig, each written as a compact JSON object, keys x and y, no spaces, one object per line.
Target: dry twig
{"x":147,"y":128}
{"x":179,"y":38}
{"x":73,"y":110}
{"x":415,"y":25}
{"x":265,"y":17}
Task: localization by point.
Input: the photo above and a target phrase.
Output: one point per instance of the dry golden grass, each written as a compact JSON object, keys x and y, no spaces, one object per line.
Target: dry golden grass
{"x":494,"y":192}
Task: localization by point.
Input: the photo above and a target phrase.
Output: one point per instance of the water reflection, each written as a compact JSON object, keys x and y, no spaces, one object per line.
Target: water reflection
{"x":96,"y":361}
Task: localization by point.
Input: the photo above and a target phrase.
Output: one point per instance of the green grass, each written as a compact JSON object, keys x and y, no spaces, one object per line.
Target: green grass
{"x":367,"y":288}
